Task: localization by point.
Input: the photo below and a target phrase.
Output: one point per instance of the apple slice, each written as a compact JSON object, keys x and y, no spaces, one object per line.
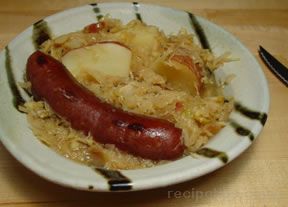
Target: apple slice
{"x":194,"y":68}
{"x":108,"y":58}
{"x":181,"y":73}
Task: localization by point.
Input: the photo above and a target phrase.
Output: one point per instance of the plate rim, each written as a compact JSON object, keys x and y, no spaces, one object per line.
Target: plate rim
{"x":101,"y":186}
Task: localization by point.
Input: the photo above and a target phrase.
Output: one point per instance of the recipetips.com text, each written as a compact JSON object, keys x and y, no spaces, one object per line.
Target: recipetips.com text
{"x":193,"y":194}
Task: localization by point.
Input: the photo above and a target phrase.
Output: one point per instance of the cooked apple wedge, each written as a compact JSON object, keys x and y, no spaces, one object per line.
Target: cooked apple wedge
{"x":109,"y":58}
{"x":181,"y":73}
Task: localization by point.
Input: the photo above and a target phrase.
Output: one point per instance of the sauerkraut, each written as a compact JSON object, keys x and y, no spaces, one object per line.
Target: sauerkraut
{"x":154,"y":87}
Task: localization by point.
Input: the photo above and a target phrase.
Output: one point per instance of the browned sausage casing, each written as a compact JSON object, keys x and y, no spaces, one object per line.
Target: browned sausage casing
{"x":146,"y":137}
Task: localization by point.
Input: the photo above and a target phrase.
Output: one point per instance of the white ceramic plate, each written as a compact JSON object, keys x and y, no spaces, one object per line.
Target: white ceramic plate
{"x":249,"y":89}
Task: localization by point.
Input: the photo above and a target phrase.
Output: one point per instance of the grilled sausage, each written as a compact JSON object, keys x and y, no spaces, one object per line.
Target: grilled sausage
{"x":142,"y":136}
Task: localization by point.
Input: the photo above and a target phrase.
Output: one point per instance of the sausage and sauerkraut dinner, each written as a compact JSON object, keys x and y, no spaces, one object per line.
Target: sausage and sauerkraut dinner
{"x":124,"y":96}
